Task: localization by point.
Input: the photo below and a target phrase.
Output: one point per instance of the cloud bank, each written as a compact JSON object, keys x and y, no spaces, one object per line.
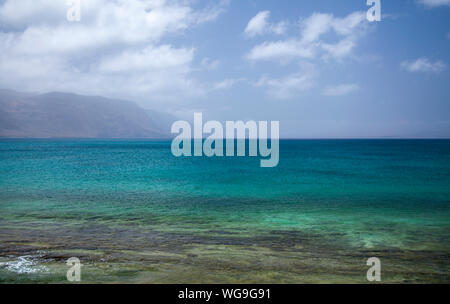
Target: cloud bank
{"x":115,"y":50}
{"x":322,"y":37}
{"x":312,"y":42}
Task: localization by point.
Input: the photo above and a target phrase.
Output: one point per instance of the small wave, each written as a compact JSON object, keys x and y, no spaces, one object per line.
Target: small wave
{"x":24,"y":265}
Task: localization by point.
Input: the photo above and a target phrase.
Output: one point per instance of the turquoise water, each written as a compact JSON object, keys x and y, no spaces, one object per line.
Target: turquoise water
{"x":133,"y":213}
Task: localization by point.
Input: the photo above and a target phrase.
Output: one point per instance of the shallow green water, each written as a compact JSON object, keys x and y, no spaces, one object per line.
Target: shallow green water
{"x":133,"y":213}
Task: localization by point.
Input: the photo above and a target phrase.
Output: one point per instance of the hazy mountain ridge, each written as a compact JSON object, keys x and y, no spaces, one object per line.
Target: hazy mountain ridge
{"x":65,"y":115}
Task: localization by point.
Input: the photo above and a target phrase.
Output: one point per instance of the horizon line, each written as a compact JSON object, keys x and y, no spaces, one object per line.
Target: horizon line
{"x":281,"y":138}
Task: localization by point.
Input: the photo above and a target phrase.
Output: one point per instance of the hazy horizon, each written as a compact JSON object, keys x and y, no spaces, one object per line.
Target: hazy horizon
{"x":167,"y":130}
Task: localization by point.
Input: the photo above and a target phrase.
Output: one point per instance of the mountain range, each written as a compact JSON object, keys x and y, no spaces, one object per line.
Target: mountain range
{"x":66,"y":115}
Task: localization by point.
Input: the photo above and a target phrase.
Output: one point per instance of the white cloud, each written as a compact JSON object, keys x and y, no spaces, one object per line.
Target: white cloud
{"x":115,"y":49}
{"x":434,"y":3}
{"x":103,"y":23}
{"x":260,"y":25}
{"x":281,"y":50}
{"x":340,"y":90}
{"x":289,"y":86}
{"x":311,"y":42}
{"x":340,"y":49}
{"x":315,"y":26}
{"x":424,"y":65}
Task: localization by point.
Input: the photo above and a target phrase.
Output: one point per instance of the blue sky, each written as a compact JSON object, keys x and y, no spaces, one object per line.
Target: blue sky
{"x":319,"y":67}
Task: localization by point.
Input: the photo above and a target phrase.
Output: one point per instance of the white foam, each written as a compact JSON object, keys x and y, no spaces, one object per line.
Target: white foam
{"x":24,"y":265}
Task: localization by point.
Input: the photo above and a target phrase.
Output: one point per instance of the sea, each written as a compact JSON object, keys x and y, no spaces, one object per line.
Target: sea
{"x":131,"y":212}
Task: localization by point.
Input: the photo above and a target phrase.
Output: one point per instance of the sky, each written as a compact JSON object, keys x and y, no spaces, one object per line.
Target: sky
{"x":319,"y":67}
